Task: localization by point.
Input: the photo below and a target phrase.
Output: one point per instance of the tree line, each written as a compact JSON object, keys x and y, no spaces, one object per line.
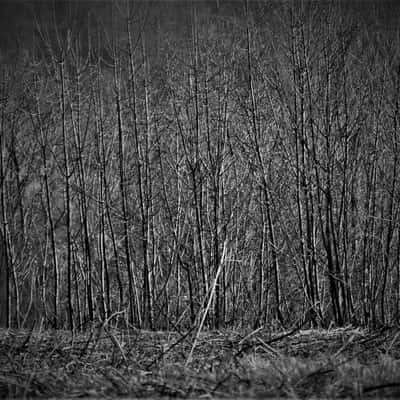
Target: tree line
{"x":238,"y":167}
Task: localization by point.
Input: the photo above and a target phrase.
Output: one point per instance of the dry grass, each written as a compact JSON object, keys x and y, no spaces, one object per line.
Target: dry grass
{"x":336,"y":364}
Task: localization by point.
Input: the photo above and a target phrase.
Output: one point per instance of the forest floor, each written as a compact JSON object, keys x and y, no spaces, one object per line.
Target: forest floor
{"x":108,"y":363}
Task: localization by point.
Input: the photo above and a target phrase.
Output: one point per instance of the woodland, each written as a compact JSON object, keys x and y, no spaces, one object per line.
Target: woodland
{"x":218,"y":165}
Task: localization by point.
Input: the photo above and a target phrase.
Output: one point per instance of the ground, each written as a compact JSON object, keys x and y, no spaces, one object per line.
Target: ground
{"x":106,"y":362}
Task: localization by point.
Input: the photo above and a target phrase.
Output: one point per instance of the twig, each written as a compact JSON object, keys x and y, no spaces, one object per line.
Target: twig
{"x":116,"y":343}
{"x":250,"y":335}
{"x":212,"y":291}
{"x":275,"y":339}
{"x":173,"y":345}
{"x":382,"y":386}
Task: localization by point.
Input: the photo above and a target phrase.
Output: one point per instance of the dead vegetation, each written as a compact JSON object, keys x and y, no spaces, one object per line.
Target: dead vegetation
{"x":106,"y":362}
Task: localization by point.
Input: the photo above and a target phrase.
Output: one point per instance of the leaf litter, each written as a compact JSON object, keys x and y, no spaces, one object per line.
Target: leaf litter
{"x":106,"y":362}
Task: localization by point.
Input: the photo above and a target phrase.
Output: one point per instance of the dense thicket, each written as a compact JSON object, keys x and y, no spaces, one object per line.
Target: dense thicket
{"x":164,"y":164}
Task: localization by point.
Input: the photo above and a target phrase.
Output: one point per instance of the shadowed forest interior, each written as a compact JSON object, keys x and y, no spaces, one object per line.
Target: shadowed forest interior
{"x":232,"y":164}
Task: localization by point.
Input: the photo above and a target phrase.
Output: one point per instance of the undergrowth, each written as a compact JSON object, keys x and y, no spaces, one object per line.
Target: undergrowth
{"x":109,"y":363}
